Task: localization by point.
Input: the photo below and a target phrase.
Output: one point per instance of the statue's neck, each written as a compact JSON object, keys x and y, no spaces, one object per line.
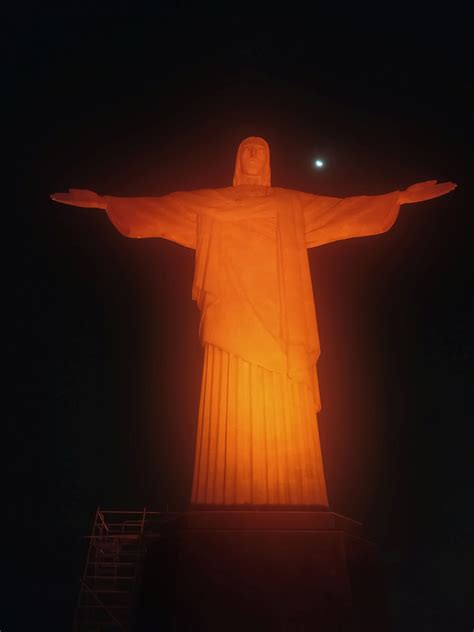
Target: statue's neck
{"x":255,"y":180}
{"x":243,"y":191}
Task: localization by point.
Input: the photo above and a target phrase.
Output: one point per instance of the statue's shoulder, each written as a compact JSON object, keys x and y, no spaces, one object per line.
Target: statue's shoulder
{"x":223,"y":191}
{"x":304,"y":197}
{"x":219,"y":193}
{"x":296,"y":193}
{"x":291,"y":195}
{"x":285,"y":192}
{"x":199,"y":196}
{"x":197,"y":192}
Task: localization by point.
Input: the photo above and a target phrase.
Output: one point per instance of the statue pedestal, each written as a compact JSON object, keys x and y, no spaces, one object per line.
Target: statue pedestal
{"x":263,"y":570}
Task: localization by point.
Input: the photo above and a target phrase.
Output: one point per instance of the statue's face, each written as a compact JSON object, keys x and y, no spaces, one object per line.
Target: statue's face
{"x":252,"y":159}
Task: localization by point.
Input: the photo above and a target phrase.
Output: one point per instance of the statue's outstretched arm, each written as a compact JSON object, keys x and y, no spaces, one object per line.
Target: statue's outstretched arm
{"x":425,"y":191}
{"x":80,"y":197}
{"x":330,"y":219}
{"x":171,"y":216}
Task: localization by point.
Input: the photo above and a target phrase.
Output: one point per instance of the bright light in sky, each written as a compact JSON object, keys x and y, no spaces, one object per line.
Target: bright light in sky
{"x":319,"y":163}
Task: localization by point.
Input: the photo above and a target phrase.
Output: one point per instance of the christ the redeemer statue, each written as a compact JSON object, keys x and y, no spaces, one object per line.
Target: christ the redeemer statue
{"x":257,"y":437}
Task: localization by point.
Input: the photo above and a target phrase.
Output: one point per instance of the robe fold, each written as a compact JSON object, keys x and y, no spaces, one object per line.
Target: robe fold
{"x":257,"y":438}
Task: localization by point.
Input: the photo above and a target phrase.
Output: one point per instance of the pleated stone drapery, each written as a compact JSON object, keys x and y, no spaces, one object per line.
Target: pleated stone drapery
{"x":257,"y":439}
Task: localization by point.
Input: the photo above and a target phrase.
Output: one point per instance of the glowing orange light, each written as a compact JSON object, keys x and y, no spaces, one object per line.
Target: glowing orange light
{"x":257,"y":439}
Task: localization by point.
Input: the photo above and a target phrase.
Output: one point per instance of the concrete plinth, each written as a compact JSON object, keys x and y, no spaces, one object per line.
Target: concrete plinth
{"x":263,"y":570}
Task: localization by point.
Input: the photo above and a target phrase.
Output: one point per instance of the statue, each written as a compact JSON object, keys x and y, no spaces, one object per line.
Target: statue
{"x":257,"y":438}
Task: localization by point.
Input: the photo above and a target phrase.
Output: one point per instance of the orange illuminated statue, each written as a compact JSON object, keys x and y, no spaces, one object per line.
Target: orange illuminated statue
{"x":257,"y":439}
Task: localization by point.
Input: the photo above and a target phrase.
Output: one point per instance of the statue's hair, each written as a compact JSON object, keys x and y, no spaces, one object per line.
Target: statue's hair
{"x":266,"y":171}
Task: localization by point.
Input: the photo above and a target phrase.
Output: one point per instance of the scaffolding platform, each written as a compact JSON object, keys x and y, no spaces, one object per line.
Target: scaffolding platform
{"x":111,"y":580}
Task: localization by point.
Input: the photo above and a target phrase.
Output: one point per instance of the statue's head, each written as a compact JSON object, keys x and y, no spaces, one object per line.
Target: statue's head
{"x":252,"y":165}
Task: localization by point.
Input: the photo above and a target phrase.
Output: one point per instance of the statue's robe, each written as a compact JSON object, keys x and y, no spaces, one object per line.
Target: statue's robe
{"x":257,"y":437}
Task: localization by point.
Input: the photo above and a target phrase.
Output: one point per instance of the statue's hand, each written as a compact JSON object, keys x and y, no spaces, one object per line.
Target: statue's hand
{"x":425,"y":191}
{"x":80,"y":197}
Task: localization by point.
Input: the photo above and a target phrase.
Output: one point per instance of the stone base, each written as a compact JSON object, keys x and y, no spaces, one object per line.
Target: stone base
{"x":271,"y":570}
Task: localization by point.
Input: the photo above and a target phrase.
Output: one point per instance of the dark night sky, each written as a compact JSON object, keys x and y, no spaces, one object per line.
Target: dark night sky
{"x":103,"y":346}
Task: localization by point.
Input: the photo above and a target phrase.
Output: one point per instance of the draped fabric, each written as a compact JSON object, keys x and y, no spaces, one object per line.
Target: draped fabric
{"x":252,"y":282}
{"x":257,"y":439}
{"x":252,"y":285}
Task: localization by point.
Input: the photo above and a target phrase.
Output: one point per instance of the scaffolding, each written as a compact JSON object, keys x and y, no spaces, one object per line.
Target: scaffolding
{"x":114,"y":563}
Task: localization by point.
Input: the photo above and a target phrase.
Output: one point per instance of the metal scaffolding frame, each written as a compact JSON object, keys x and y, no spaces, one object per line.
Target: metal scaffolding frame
{"x":114,"y":563}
